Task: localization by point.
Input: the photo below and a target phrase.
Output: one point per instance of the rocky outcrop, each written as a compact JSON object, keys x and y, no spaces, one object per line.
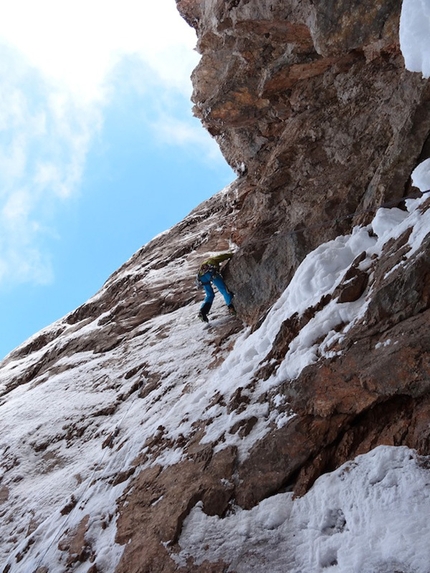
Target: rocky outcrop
{"x":312,"y":105}
{"x":162,"y":499}
{"x":374,"y":390}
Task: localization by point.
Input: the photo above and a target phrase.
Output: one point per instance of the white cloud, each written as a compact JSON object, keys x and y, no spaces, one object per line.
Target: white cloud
{"x":19,"y":256}
{"x":57,"y":71}
{"x":44,"y":138}
{"x":173,"y":131}
{"x":76,"y":43}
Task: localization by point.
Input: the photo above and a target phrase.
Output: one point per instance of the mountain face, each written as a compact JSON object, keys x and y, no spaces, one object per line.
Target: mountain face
{"x":311,"y":102}
{"x":294,"y":437}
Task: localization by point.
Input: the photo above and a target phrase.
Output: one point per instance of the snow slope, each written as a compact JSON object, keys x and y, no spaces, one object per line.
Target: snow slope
{"x":70,"y":435}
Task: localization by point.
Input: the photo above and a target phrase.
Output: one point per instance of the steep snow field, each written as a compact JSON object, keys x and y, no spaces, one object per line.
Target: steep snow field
{"x":69,"y":433}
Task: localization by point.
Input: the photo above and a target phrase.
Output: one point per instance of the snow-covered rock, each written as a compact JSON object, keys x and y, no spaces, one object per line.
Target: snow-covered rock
{"x":294,"y":437}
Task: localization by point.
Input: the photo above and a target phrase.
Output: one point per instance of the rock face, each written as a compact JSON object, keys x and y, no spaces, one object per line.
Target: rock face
{"x":311,"y":104}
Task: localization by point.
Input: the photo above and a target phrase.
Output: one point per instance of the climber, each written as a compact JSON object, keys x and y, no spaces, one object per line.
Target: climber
{"x":209,"y":272}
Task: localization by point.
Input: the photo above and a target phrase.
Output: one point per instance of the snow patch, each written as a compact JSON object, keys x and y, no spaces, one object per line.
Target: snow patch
{"x":369,"y":515}
{"x":415,"y":34}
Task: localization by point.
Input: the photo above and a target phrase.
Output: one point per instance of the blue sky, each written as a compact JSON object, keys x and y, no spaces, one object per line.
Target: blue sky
{"x":99,"y":151}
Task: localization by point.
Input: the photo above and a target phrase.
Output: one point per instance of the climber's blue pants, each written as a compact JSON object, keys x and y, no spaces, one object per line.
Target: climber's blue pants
{"x":218,"y":281}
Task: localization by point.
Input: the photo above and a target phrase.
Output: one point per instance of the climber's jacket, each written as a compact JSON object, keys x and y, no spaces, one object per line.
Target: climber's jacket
{"x":211,"y":267}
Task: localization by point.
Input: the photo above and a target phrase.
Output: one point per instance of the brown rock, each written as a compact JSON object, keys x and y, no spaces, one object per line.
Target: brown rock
{"x":158,"y":500}
{"x":77,"y":547}
{"x":316,"y":111}
{"x":352,"y":285}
